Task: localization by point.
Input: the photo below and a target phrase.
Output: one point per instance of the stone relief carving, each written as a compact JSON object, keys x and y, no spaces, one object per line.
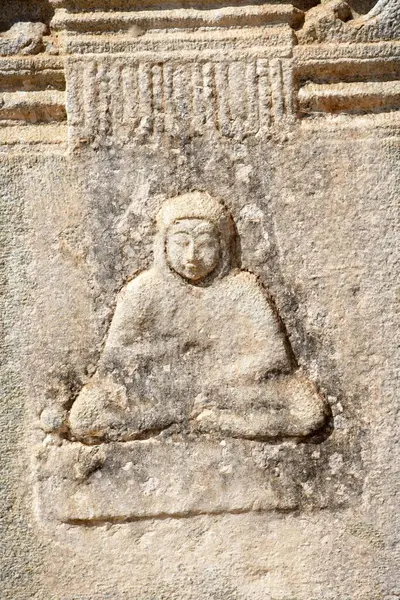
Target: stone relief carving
{"x":195,"y":343}
{"x":124,"y":100}
{"x":197,"y":375}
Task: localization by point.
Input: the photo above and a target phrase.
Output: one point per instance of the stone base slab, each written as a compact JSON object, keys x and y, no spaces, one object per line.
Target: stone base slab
{"x":147,"y":479}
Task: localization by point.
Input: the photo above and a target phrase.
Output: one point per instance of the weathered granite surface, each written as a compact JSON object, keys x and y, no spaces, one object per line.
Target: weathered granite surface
{"x":200,"y":300}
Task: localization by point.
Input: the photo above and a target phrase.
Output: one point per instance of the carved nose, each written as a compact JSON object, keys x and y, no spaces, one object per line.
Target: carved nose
{"x":190,"y":252}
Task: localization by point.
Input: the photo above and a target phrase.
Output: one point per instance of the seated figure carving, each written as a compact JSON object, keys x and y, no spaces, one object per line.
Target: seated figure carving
{"x":195,"y":343}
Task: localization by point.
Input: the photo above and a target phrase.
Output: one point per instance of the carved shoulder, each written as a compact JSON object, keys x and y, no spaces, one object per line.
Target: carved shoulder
{"x":133,"y":303}
{"x":251,"y":301}
{"x":245,"y":288}
{"x":140,"y":287}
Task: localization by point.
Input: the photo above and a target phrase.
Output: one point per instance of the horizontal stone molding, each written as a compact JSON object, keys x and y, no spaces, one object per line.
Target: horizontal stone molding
{"x":32,"y":94}
{"x":232,"y":16}
{"x":33,"y":107}
{"x":348,"y":70}
{"x":350,"y":78}
{"x":107,"y":5}
{"x":322,"y":52}
{"x":383,"y":124}
{"x":31,"y":71}
{"x":349,"y":97}
{"x":31,"y":65}
{"x":43,"y":135}
{"x":167,"y":45}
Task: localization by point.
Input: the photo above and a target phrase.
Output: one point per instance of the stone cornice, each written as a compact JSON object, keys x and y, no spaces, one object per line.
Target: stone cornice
{"x":145,"y":20}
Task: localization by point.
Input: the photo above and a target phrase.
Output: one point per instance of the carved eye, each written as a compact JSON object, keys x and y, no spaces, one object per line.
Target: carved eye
{"x":181,"y":239}
{"x":206,"y":240}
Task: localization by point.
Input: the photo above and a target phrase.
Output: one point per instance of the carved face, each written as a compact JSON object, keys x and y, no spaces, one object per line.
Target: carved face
{"x":193,"y":248}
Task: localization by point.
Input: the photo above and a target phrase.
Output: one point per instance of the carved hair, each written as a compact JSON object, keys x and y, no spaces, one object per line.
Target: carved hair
{"x":194,"y":205}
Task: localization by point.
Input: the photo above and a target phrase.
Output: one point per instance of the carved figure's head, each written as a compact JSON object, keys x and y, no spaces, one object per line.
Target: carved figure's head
{"x":193,"y":248}
{"x":198,"y":236}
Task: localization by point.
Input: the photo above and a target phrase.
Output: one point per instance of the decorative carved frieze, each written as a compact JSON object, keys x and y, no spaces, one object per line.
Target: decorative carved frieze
{"x":141,"y":70}
{"x":118,"y":100}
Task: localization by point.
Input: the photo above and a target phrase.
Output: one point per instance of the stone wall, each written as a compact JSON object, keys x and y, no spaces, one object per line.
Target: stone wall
{"x":199,"y":289}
